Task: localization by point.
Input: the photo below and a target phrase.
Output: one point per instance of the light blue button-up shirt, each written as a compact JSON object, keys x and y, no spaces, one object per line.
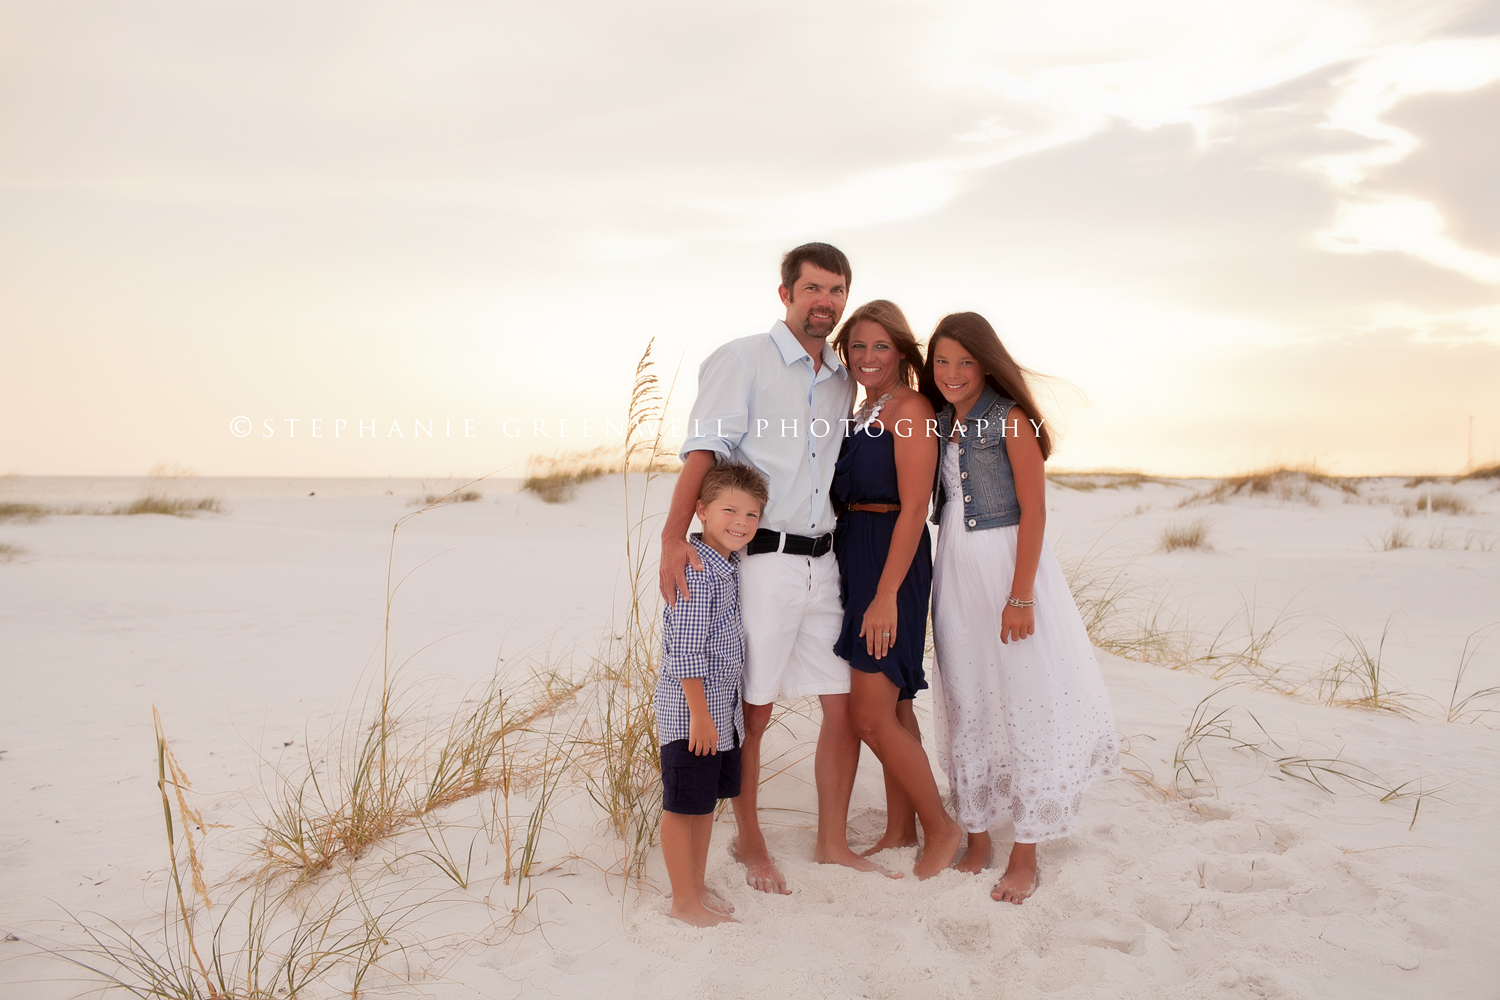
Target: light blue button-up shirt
{"x":760,"y":402}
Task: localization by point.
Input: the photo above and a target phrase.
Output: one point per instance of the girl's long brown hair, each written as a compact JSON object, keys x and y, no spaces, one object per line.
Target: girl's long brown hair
{"x":893,"y":321}
{"x":974,"y":334}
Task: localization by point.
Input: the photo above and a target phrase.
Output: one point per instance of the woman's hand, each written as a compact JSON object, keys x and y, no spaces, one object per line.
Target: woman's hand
{"x":879,"y":626}
{"x":1016,"y":623}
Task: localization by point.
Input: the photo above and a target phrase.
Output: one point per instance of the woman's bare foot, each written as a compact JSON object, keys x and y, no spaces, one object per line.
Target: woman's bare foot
{"x":694,"y":913}
{"x":849,"y":859}
{"x":889,"y":841}
{"x":716,"y":902}
{"x":940,"y":850}
{"x":979,"y":855}
{"x":1019,"y":880}
{"x":761,"y":872}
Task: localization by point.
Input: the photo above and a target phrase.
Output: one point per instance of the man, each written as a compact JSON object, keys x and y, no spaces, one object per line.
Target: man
{"x":780,"y":401}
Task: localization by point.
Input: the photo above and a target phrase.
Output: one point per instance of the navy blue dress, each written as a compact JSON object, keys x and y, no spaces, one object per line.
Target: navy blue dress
{"x":866,"y":473}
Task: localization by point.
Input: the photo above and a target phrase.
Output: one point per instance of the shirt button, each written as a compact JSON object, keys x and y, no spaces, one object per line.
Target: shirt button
{"x":981,"y":440}
{"x":971,"y":522}
{"x":968,"y":498}
{"x":960,"y":451}
{"x":963,"y":475}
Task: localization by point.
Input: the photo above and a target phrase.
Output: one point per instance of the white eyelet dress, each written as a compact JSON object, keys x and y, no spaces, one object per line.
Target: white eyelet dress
{"x":1022,"y":728}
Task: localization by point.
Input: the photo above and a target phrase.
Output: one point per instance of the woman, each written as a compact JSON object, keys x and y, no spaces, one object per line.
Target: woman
{"x":1024,"y":723}
{"x":881,"y":484}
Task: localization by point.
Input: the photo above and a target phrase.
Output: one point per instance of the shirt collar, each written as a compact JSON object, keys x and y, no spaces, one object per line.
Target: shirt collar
{"x":792,"y":350}
{"x":712,"y":561}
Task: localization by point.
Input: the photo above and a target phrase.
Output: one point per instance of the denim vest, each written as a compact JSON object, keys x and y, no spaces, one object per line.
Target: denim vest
{"x":983,"y":463}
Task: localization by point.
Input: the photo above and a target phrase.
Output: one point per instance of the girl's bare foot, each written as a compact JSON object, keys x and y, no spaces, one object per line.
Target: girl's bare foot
{"x":694,"y":913}
{"x":849,"y":859}
{"x":1019,"y":880}
{"x":979,"y":855}
{"x":889,"y":841}
{"x":941,"y":848}
{"x":716,"y":902}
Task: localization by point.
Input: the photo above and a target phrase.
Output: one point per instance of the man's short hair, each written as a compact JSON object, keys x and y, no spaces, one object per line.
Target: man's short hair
{"x":733,"y":476}
{"x":829,"y":258}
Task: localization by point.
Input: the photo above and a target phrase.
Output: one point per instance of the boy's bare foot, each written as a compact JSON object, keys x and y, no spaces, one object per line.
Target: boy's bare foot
{"x":979,"y":855}
{"x":697,"y":915}
{"x":849,"y":859}
{"x":940,"y":851}
{"x":716,"y":902}
{"x":761,"y":872}
{"x":889,"y":841}
{"x":1019,"y":880}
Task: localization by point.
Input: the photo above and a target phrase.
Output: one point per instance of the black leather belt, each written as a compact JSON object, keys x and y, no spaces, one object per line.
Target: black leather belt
{"x":766,"y":540}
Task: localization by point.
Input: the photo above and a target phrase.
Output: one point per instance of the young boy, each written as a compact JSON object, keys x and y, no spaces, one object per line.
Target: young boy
{"x":700,"y":718}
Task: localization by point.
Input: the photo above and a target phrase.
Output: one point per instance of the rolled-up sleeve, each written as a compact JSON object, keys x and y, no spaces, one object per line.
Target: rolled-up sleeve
{"x":686,"y":626}
{"x":721,"y":413}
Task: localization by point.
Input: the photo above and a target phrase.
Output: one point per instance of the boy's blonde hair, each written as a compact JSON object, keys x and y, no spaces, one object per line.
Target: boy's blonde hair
{"x":732,"y":476}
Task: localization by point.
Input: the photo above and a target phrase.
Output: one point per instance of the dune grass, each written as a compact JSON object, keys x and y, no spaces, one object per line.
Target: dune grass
{"x":1441,"y":502}
{"x":157,"y":503}
{"x":1284,"y":482}
{"x":1184,"y":535}
{"x":23,"y":511}
{"x":1485,"y":472}
{"x":1087,"y":480}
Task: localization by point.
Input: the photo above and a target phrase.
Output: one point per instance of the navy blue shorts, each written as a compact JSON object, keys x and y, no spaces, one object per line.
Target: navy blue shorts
{"x":693,"y":785}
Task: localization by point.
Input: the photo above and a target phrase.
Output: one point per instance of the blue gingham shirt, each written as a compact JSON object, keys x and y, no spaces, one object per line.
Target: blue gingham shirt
{"x":703,"y":637}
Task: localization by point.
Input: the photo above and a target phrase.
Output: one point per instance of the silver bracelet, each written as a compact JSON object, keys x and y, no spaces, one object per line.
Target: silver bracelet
{"x":1020,"y":604}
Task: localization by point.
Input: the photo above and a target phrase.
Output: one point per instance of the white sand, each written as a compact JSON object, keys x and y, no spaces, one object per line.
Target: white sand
{"x":253,"y":628}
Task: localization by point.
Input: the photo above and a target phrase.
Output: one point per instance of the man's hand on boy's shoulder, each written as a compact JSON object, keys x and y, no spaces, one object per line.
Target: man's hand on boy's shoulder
{"x":703,"y":735}
{"x":676,"y":555}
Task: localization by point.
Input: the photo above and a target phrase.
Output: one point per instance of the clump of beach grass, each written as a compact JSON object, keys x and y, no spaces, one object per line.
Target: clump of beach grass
{"x":1094,"y":479}
{"x":433,"y":499}
{"x":1442,"y":502}
{"x":1213,"y":726}
{"x":1357,"y":678}
{"x":1184,"y":535}
{"x":1485,"y":472}
{"x":23,"y":511}
{"x":162,"y":497}
{"x":1285,"y":482}
{"x":556,"y":478}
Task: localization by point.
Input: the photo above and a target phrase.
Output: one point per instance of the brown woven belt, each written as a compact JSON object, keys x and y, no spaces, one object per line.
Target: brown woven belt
{"x":875,"y":508}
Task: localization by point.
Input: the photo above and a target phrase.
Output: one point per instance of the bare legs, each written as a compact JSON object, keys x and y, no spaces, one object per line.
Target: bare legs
{"x":873,"y":706}
{"x":684,"y":846}
{"x":979,"y":855}
{"x":1020,"y":876}
{"x":835,"y":766}
{"x":900,"y":814}
{"x":749,"y":843}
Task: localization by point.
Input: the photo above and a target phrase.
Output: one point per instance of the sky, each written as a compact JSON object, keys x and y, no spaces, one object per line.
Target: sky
{"x":1230,"y":234}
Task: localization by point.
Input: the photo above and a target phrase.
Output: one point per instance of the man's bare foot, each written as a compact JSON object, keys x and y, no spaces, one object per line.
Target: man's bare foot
{"x":694,"y":913}
{"x":890,"y":841}
{"x":716,"y":902}
{"x":979,"y":855}
{"x":849,"y":859}
{"x":940,"y":850}
{"x":761,"y":872}
{"x":1019,"y":880}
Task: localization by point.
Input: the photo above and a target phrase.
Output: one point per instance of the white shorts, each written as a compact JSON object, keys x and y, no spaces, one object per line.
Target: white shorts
{"x":793,"y":615}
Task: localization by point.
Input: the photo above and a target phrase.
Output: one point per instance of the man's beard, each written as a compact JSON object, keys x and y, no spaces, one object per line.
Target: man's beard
{"x":809,"y":331}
